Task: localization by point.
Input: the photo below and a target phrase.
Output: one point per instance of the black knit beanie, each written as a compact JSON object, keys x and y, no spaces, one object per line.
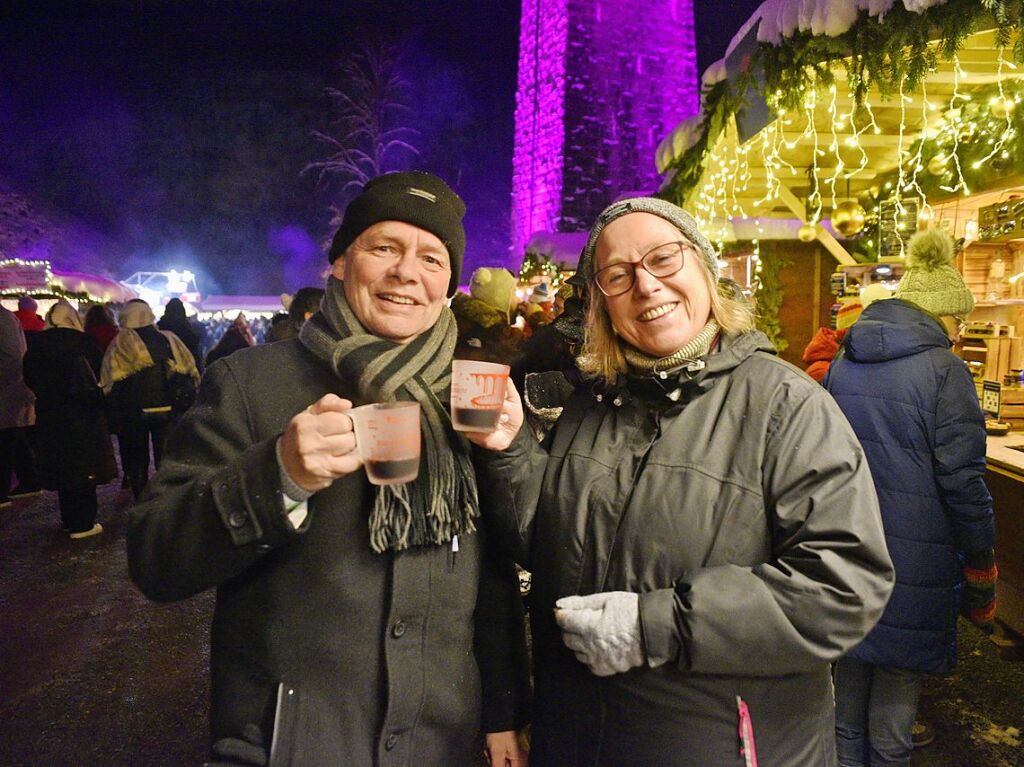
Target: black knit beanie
{"x":414,"y":197}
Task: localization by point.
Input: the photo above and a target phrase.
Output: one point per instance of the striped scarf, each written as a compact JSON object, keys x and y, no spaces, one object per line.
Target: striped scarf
{"x":695,"y":348}
{"x":442,"y":501}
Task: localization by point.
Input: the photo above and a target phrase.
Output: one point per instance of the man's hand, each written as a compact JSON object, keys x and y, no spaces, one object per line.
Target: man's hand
{"x":509,"y":423}
{"x":503,"y":750}
{"x":318,"y":445}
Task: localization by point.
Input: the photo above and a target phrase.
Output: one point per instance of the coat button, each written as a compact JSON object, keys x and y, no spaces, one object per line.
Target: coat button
{"x":391,"y":742}
{"x":236,"y":519}
{"x":398,"y":630}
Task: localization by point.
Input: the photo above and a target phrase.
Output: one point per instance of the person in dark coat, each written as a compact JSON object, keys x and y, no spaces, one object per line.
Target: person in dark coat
{"x":913,"y":404}
{"x":135,"y":374}
{"x":72,"y":441}
{"x":355,"y":624}
{"x":700,"y":524}
{"x":176,"y":321}
{"x":237,"y":336}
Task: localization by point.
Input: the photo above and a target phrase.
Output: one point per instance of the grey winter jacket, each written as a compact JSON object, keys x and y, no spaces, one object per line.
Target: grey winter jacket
{"x":744,"y":515}
{"x":323,"y":652}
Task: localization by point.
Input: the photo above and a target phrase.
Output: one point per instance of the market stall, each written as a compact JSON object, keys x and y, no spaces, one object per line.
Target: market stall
{"x":20,"y":277}
{"x":864,"y":122}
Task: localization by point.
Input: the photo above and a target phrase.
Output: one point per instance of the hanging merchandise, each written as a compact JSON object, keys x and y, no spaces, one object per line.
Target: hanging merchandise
{"x":837,"y":283}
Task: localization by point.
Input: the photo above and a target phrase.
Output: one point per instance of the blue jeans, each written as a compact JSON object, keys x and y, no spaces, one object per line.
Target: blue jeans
{"x":875,"y":710}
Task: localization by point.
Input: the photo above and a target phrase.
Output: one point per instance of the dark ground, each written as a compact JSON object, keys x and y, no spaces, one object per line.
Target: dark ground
{"x":91,"y":674}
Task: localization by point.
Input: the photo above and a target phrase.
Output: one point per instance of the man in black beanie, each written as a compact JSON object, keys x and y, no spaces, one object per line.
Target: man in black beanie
{"x":355,"y":623}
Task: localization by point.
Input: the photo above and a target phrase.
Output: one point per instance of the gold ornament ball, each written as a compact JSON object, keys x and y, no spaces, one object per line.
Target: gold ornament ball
{"x":937,"y":165}
{"x":807,"y":233}
{"x":1000,"y":108}
{"x":848,"y":218}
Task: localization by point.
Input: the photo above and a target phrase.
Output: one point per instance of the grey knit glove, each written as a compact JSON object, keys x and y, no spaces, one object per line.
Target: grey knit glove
{"x":603,"y":630}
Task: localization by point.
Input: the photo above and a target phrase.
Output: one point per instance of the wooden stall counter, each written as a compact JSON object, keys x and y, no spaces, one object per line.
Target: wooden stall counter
{"x":1005,"y":479}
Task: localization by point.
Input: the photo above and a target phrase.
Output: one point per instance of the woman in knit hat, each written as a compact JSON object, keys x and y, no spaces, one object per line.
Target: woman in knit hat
{"x":700,"y":523}
{"x":913,"y":404}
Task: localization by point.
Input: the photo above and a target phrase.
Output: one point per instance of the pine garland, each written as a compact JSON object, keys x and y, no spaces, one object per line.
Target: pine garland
{"x":538,"y":265}
{"x":768,"y":298}
{"x":881,"y":54}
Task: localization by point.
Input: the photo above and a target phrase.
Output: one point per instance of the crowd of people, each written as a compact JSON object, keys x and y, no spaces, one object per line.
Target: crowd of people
{"x":731,"y":563}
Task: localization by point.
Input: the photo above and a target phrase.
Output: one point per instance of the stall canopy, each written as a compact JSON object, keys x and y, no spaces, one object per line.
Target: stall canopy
{"x":37,"y":278}
{"x":99,"y":289}
{"x":823,"y":108}
{"x":250,"y":304}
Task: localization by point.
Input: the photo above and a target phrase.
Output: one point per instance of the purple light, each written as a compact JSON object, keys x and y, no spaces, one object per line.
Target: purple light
{"x":600,"y":84}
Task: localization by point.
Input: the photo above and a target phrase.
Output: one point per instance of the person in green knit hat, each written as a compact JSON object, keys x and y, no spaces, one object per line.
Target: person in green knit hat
{"x":913,"y":404}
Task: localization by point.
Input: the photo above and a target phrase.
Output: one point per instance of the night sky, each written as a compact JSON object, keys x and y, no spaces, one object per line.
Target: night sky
{"x":179,"y":130}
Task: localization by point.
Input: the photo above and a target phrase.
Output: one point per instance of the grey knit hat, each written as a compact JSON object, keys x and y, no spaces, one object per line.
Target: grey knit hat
{"x":675,"y":215}
{"x":931,"y":281}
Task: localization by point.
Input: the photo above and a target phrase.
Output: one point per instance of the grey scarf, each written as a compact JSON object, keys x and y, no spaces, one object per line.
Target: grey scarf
{"x":442,"y":501}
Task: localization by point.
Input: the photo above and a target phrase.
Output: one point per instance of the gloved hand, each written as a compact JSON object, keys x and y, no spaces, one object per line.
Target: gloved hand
{"x":603,"y":630}
{"x":246,"y":751}
{"x":978,"y":602}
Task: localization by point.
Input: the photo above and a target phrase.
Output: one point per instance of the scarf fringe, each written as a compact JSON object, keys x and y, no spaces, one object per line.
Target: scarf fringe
{"x":442,"y":501}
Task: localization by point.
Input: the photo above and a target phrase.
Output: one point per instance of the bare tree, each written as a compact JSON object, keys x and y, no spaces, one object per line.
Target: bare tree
{"x":370,"y":135}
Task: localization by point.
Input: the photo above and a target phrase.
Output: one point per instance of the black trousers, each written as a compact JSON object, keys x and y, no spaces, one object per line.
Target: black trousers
{"x":78,"y":507}
{"x":134,"y":439}
{"x":8,"y":438}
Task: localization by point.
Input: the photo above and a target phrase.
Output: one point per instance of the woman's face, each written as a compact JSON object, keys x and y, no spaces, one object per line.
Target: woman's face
{"x":658,"y":315}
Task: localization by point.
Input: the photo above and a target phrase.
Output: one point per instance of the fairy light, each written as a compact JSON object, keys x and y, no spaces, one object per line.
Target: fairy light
{"x":814,"y":199}
{"x":1008,"y":105}
{"x":954,"y":128}
{"x":916,"y":162}
{"x":834,"y":146}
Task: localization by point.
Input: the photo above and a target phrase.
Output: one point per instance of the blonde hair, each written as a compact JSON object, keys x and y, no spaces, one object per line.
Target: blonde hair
{"x":602,"y":356}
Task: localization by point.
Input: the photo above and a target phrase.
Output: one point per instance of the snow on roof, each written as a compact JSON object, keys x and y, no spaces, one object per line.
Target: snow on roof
{"x":561,"y":248}
{"x":775,"y":21}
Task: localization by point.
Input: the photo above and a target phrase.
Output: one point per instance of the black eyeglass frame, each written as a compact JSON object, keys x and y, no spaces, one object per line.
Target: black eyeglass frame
{"x":683,"y":246}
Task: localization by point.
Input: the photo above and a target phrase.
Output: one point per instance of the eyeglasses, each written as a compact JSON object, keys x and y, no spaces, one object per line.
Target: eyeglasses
{"x":961,"y":324}
{"x":662,"y":261}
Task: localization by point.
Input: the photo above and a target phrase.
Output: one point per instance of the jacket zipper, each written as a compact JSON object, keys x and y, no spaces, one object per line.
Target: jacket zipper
{"x":452,"y":552}
{"x":748,"y":750}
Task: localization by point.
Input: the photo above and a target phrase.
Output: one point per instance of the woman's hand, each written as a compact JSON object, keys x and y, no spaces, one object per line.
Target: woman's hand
{"x":503,"y":750}
{"x":509,"y":423}
{"x":318,"y":445}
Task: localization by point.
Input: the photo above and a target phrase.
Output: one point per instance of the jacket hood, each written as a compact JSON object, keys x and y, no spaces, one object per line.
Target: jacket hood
{"x":823,"y":346}
{"x":892,"y":329}
{"x":136,"y":314}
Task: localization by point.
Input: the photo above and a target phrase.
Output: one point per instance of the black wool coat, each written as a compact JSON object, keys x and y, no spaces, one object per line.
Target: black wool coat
{"x":323,"y":652}
{"x":72,"y":438}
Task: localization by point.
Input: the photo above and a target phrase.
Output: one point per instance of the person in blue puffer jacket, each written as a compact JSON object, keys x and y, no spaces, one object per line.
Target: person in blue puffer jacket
{"x":913,"y":405}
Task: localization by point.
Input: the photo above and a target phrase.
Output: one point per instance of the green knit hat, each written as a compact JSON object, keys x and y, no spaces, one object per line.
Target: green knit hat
{"x":495,"y":287}
{"x":931,"y":281}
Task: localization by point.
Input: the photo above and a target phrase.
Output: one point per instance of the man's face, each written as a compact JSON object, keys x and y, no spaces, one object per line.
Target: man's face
{"x":396,"y":279}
